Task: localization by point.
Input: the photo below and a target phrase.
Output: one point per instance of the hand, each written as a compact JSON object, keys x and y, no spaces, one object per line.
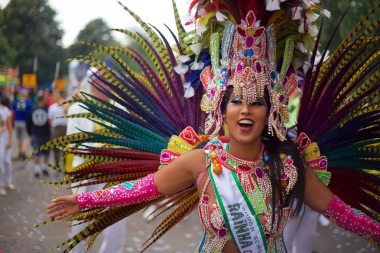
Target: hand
{"x":63,"y":207}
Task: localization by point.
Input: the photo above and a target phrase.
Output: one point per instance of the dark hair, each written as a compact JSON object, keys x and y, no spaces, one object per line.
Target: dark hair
{"x":4,"y":100}
{"x":274,"y":147}
{"x":41,"y":99}
{"x":62,"y":94}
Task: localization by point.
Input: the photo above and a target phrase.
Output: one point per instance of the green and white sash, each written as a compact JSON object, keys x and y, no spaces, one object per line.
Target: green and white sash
{"x":239,"y":216}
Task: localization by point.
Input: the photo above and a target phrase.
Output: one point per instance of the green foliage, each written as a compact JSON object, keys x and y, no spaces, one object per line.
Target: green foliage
{"x":31,"y":28}
{"x":7,"y":52}
{"x":357,"y":10}
{"x":95,"y":31}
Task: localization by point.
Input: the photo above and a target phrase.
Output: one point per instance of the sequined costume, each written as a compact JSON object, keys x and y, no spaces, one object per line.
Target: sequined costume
{"x":259,"y":48}
{"x":215,"y":232}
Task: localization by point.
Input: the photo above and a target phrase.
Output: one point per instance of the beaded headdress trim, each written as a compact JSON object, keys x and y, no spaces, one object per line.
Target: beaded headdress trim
{"x":248,"y":64}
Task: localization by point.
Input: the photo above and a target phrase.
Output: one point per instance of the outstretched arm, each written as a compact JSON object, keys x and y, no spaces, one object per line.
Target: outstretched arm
{"x":322,"y":200}
{"x":177,"y":176}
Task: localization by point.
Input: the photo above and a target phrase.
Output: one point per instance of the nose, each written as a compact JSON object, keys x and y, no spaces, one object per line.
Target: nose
{"x":245,"y":108}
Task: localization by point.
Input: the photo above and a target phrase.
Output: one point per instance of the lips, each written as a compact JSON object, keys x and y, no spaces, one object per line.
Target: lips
{"x":245,"y":123}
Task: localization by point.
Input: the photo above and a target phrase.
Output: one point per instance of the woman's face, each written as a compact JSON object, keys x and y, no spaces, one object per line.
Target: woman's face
{"x":246,"y":122}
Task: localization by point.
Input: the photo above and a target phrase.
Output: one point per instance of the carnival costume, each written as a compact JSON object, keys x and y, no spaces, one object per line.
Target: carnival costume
{"x":258,"y":48}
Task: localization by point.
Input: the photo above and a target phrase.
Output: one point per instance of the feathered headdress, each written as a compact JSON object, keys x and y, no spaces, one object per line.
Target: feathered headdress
{"x":249,"y":55}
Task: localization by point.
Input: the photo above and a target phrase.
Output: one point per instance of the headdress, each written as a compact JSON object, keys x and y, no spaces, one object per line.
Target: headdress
{"x":251,"y":58}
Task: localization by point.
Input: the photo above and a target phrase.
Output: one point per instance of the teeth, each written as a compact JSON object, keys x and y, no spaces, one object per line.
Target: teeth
{"x":245,"y":121}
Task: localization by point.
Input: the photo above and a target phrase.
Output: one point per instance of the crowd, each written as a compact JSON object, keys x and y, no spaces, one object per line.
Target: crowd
{"x":32,"y":117}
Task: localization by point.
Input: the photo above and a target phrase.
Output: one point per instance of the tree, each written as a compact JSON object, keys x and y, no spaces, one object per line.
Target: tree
{"x":357,"y":10}
{"x":96,"y":31}
{"x":7,"y":52}
{"x":31,"y":28}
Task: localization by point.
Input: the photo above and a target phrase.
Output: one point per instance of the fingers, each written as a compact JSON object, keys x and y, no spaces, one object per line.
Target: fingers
{"x":54,"y":208}
{"x":59,"y":199}
{"x":54,"y":205}
{"x":63,"y":216}
{"x":58,"y":212}
{"x":58,"y":208}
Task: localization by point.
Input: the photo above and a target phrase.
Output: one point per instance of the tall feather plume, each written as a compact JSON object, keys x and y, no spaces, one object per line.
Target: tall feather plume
{"x":144,"y":109}
{"x":340,"y":111}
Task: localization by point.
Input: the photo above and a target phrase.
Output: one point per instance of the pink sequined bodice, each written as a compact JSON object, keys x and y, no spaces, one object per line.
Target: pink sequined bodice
{"x":215,"y":228}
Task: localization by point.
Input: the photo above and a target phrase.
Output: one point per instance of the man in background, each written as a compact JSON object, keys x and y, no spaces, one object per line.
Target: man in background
{"x":39,"y":130}
{"x":113,"y":236}
{"x":21,"y":108}
{"x":58,"y":124}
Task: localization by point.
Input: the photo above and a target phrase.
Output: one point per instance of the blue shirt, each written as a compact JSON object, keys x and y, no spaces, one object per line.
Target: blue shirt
{"x":22,"y":108}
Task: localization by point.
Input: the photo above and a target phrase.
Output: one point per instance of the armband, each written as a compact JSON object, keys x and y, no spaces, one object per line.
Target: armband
{"x":352,"y":220}
{"x":127,"y":193}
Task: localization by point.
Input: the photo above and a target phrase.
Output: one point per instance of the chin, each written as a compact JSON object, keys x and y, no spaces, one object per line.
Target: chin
{"x":248,"y":139}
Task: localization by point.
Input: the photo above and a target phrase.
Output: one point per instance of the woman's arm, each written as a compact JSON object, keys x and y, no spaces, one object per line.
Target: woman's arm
{"x":317,"y":195}
{"x":322,"y":200}
{"x":3,"y":126}
{"x":10,"y":130}
{"x":176,"y":176}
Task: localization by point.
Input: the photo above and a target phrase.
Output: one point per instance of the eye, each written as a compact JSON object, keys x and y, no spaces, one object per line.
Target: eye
{"x":257,"y":103}
{"x":236,"y":100}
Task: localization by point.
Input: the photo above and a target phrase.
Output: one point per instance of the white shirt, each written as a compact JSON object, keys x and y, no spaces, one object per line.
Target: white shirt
{"x":4,"y":114}
{"x":75,"y":125}
{"x":54,"y":112}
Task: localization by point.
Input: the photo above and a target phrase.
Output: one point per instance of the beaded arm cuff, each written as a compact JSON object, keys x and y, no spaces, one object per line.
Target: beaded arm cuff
{"x":127,"y":193}
{"x":352,"y":220}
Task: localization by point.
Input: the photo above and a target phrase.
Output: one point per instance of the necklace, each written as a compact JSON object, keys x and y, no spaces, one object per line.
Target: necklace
{"x":240,"y":165}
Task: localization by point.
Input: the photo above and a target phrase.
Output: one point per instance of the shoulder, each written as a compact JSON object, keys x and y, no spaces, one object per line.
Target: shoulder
{"x":190,"y":160}
{"x":194,"y":154}
{"x":194,"y":161}
{"x":7,"y":110}
{"x":197,"y":154}
{"x":52,"y":108}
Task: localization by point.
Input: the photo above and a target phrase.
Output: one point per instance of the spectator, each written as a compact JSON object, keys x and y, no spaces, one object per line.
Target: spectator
{"x":39,"y":131}
{"x":49,"y":97}
{"x":22,"y":107}
{"x":6,"y":141}
{"x":58,"y":125}
{"x":3,"y":127}
{"x":111,"y":243}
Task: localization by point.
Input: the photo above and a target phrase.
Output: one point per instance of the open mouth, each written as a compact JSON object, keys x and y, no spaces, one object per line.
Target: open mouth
{"x":245,"y":123}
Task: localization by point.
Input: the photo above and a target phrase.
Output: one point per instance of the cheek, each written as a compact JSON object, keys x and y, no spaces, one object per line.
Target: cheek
{"x":261,"y":114}
{"x":231,"y":111}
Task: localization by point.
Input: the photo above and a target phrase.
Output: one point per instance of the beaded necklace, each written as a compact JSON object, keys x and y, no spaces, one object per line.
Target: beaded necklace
{"x":240,"y":165}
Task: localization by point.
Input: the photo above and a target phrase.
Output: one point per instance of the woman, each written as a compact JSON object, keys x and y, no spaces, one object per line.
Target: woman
{"x":246,"y":123}
{"x":243,"y":184}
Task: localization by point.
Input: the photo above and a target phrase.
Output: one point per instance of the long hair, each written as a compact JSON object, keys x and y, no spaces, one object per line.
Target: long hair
{"x":274,"y":147}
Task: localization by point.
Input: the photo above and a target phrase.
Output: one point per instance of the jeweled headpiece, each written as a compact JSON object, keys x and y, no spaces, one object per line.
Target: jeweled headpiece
{"x":245,"y":56}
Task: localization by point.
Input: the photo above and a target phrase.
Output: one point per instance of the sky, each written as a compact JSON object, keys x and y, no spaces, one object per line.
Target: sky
{"x":73,"y":15}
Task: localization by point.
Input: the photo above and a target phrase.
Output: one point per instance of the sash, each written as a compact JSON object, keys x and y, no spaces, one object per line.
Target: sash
{"x":239,"y":216}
